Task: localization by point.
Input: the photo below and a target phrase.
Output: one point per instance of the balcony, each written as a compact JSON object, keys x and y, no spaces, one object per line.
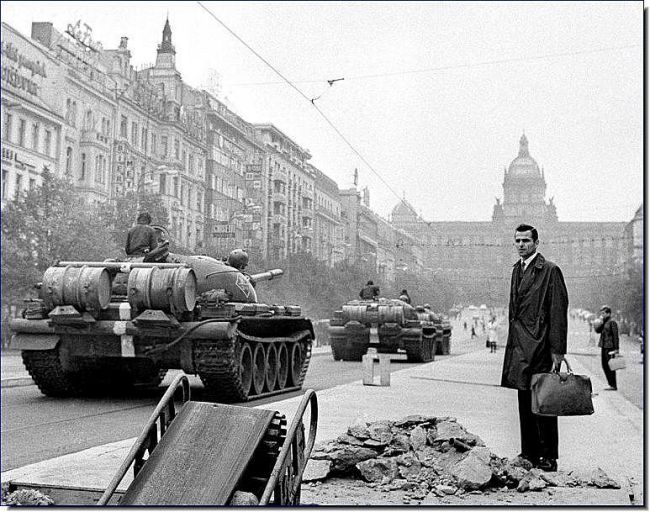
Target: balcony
{"x":307,"y":214}
{"x":279,"y":176}
{"x":279,"y":197}
{"x":279,"y":218}
{"x":94,"y":137}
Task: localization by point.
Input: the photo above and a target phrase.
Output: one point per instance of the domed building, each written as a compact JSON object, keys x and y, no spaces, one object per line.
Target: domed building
{"x":524,"y":190}
{"x":477,"y":257}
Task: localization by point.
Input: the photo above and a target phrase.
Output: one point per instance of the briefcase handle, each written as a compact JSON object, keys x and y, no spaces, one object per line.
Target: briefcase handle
{"x":568,"y":367}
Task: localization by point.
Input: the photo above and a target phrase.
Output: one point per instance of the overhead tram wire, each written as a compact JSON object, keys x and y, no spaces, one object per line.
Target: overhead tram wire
{"x":313,"y":104}
{"x":457,"y":66}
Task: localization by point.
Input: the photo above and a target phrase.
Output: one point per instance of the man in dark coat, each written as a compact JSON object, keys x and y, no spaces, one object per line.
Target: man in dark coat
{"x":370,"y":291}
{"x":536,"y":343}
{"x":141,"y":238}
{"x":608,"y":343}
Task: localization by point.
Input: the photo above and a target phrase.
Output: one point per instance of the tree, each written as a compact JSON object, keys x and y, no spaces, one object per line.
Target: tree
{"x":120,"y":214}
{"x":46,"y":224}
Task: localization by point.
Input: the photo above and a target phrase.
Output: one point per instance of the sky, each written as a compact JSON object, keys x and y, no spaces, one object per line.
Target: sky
{"x":435,"y":95}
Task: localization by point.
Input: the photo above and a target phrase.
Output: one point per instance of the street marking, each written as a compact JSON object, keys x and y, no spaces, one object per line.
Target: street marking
{"x":128,"y":349}
{"x":119,"y":328}
{"x":125,"y":311}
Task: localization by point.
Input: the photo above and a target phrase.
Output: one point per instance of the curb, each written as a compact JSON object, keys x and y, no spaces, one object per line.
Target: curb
{"x":17,"y":382}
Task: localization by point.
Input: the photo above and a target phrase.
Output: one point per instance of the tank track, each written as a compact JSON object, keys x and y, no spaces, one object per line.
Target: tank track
{"x":45,"y":368}
{"x":217,"y":363}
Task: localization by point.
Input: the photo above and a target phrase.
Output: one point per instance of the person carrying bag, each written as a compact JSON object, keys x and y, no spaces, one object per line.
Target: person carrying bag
{"x":561,"y":394}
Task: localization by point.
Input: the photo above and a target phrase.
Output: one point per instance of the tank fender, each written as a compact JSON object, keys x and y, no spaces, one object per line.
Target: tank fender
{"x":29,"y":341}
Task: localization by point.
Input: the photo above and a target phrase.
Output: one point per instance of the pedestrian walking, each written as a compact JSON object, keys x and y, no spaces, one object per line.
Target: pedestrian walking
{"x":465,"y":326}
{"x":492,"y":333}
{"x":537,"y":339}
{"x":473,"y":335}
{"x":608,"y":343}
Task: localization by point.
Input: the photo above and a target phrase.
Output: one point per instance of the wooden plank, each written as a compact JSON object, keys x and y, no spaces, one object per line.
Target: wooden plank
{"x":201,"y":457}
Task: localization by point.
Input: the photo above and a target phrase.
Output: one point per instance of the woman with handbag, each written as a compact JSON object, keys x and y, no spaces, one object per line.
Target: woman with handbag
{"x":608,"y":343}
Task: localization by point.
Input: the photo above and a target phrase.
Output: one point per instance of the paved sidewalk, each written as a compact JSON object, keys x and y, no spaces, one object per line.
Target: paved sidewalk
{"x":465,"y":387}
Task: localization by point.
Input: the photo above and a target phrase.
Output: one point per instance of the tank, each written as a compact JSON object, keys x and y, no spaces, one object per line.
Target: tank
{"x":389,"y":325}
{"x":102,"y":326}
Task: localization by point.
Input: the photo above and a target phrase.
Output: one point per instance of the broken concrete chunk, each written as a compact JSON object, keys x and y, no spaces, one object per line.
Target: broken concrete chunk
{"x":359,"y":429}
{"x":346,"y":459}
{"x":348,"y":439}
{"x":316,"y":470}
{"x":376,"y":470}
{"x":244,"y":499}
{"x":414,"y":419}
{"x":600,"y":479}
{"x":380,"y":431}
{"x":418,"y":438}
{"x":473,"y":471}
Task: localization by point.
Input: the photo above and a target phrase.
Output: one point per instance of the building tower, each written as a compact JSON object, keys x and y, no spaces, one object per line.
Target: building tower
{"x":166,"y":57}
{"x":524,"y":188}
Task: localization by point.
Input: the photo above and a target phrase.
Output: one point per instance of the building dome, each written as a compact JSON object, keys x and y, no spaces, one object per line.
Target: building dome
{"x":524,"y":164}
{"x":403,"y":209}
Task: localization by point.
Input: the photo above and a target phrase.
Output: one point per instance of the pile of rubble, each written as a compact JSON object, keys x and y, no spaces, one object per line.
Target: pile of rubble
{"x":426,"y":455}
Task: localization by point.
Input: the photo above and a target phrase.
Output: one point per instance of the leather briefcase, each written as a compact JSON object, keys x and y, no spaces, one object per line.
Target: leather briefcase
{"x":561,"y":394}
{"x":617,"y":362}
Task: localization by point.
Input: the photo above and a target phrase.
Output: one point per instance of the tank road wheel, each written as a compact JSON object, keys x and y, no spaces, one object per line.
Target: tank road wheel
{"x":271,"y":365}
{"x":246,"y":367}
{"x":44,"y":366}
{"x":283,"y":365}
{"x":259,"y":369}
{"x":296,"y":363}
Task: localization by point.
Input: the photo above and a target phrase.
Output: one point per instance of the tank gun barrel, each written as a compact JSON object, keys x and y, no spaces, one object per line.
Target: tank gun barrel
{"x":127,"y":265}
{"x":267,"y":276}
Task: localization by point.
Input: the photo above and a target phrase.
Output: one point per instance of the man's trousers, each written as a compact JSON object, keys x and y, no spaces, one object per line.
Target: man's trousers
{"x":539,"y":435}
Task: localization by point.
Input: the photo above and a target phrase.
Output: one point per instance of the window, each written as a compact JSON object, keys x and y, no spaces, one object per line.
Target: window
{"x":21,"y":132}
{"x":190,"y":164}
{"x":48,"y":142}
{"x":163,"y":184}
{"x":177,"y":148}
{"x":185,"y":159}
{"x":199,"y":200}
{"x":88,"y":120}
{"x":82,"y":172}
{"x":73,"y":115}
{"x":176,"y":187}
{"x":6,"y":129}
{"x":144,"y":139}
{"x":123,"y":124}
{"x":68,"y":160}
{"x":134,"y":134}
{"x":4,"y":183}
{"x":163,"y":142}
{"x":153,"y":143}
{"x":32,"y":183}
{"x":19,"y":184}
{"x":182,"y":195}
{"x":35,"y":134}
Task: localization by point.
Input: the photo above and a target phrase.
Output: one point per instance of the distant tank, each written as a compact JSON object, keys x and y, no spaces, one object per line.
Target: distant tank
{"x":104,"y":325}
{"x":389,"y":325}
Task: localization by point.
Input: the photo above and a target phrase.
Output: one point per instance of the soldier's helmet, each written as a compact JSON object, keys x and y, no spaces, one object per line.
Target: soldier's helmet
{"x":238,"y":258}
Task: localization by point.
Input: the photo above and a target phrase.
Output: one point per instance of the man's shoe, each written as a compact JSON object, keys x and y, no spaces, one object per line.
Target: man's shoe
{"x":546,"y":464}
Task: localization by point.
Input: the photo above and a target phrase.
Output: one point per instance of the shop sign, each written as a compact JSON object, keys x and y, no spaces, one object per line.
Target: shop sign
{"x":83,"y":37}
{"x":36,"y":67}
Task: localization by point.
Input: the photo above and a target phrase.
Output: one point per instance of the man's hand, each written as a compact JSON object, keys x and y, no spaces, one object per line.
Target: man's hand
{"x":557,"y":361}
